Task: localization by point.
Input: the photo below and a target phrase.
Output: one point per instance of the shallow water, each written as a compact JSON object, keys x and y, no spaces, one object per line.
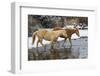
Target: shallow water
{"x":78,"y":50}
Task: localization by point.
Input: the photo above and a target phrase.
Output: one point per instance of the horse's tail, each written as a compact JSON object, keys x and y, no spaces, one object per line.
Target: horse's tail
{"x":33,"y":37}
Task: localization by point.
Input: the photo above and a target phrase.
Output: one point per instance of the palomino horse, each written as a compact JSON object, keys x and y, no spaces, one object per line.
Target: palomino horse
{"x":69,"y":32}
{"x":48,"y":35}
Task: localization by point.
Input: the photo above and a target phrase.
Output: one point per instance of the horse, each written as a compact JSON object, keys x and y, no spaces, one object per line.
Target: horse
{"x":47,"y":35}
{"x":69,"y":32}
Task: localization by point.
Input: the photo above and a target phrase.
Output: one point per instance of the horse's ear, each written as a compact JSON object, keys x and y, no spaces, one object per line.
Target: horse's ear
{"x":75,"y":26}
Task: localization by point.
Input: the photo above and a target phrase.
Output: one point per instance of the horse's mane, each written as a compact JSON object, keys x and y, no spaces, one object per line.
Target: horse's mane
{"x":57,"y":28}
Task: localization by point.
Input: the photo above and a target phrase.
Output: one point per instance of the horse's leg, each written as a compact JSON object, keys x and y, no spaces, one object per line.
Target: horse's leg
{"x":57,"y":43}
{"x":37,"y":43}
{"x":52,"y":44}
{"x":70,"y":41}
{"x":64,"y":41}
{"x":42,"y":44}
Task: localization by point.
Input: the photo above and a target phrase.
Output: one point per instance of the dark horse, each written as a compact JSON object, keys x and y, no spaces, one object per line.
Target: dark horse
{"x":69,"y":32}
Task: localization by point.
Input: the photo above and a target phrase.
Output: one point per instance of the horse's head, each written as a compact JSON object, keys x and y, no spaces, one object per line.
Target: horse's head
{"x":77,"y":32}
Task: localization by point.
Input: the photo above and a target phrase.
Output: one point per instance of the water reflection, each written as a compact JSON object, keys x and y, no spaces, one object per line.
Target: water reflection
{"x":79,"y":50}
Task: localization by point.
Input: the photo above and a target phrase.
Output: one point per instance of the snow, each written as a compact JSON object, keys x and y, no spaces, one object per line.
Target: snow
{"x":74,"y":36}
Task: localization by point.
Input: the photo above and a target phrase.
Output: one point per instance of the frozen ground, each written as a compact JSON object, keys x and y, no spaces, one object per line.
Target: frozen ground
{"x":83,"y":33}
